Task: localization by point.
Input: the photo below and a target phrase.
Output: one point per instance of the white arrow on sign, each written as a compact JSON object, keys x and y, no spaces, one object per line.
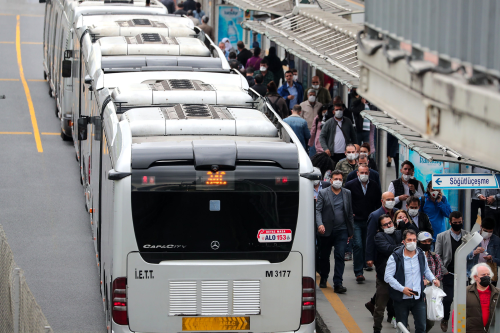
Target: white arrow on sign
{"x":464,"y":181}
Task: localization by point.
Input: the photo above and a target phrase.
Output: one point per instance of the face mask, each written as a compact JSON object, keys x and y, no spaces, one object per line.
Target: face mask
{"x":413,"y":212}
{"x":485,"y":281}
{"x":486,"y":235}
{"x":406,"y":177}
{"x":351,"y":157}
{"x":316,"y":182}
{"x":357,"y":155}
{"x":312,"y":99}
{"x":412,"y":246}
{"x":315,"y":86}
{"x":434,"y":194}
{"x":295,"y":78}
{"x":337,"y":184}
{"x":363,"y":178}
{"x":389,"y":230}
{"x":339,"y":114}
{"x":457,"y":226}
{"x":424,"y":247}
{"x":363,"y":154}
{"x":389,"y":204}
{"x":263,"y":68}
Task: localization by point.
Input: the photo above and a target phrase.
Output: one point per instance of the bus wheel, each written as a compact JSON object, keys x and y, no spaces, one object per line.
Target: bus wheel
{"x":44,"y":76}
{"x":50,"y":91}
{"x":65,"y":137}
{"x":57,"y":112}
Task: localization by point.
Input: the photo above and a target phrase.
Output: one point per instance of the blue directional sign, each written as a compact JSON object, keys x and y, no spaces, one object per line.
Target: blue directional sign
{"x":465,"y":180}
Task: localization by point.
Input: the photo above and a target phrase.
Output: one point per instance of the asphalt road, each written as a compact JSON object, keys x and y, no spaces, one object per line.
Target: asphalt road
{"x":41,"y":199}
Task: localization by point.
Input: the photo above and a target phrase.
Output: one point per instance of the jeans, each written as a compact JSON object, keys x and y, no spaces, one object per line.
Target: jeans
{"x":312,"y":151}
{"x":381,"y":300}
{"x":337,"y":240}
{"x":359,"y":245}
{"x":417,"y":308}
{"x":448,"y":288}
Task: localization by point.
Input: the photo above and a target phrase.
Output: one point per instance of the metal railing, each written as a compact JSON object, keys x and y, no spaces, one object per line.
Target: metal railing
{"x":19,"y":311}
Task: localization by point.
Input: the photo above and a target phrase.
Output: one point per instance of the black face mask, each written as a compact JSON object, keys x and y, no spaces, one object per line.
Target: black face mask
{"x":424,"y":247}
{"x":485,"y":281}
{"x":457,"y":226}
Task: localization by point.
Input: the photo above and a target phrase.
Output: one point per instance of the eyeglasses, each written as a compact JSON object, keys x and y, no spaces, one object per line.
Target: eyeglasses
{"x":387,"y":224}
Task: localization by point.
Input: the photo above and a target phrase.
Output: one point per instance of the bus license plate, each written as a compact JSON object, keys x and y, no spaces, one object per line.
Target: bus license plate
{"x":215,"y":323}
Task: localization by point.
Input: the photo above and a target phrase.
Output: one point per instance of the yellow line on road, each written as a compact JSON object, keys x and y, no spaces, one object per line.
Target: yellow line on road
{"x":6,"y":42}
{"x":16,"y":133}
{"x":340,"y":309}
{"x":9,"y":79}
{"x":34,"y":123}
{"x":37,"y":80}
{"x":32,"y":15}
{"x":50,"y":133}
{"x":33,"y":43}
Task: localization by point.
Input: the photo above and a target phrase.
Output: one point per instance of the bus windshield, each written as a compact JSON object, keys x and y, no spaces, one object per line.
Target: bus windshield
{"x":250,"y":209}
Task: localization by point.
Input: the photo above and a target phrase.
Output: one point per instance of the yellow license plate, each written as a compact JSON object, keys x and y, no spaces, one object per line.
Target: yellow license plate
{"x":215,"y":323}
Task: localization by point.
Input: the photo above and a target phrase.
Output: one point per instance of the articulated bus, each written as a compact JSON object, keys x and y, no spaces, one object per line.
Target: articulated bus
{"x":202,"y":217}
{"x":60,"y":16}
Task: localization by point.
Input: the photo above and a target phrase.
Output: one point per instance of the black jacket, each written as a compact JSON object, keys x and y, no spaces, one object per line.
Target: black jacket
{"x":243,"y":56}
{"x":189,"y":5}
{"x":356,"y":107}
{"x":260,"y":89}
{"x":364,"y":204}
{"x":424,"y":224}
{"x":385,"y":245}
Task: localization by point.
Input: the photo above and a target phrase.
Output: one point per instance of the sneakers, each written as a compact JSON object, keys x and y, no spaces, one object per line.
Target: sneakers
{"x":360,"y":279}
{"x":444,"y":325}
{"x":339,"y":289}
{"x":394,"y":323}
{"x":347,"y":256}
{"x":322,"y":283}
{"x":370,"y":307}
{"x":369,"y":269}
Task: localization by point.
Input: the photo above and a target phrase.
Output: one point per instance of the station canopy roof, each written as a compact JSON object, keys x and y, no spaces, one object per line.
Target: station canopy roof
{"x":323,"y":39}
{"x":429,"y":150}
{"x":276,"y":7}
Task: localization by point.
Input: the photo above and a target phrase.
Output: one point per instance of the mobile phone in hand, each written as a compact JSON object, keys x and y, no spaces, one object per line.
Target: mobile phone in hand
{"x":414,"y":292}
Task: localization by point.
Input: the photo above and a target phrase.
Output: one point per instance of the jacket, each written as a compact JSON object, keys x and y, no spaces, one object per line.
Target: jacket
{"x":385,"y":245}
{"x":283,"y":91}
{"x":189,"y":5}
{"x":399,"y":275}
{"x":322,"y":95}
{"x":243,"y":56}
{"x":250,"y":80}
{"x":371,"y":231}
{"x":399,"y":189}
{"x":356,"y":107}
{"x":493,"y":248}
{"x":374,"y":176}
{"x":310,"y":112}
{"x":324,"y":211}
{"x":363,"y":204}
{"x":443,"y":247}
{"x":267,"y":78}
{"x":327,"y":136}
{"x":279,"y":105}
{"x":208,"y":30}
{"x":437,"y":212}
{"x":346,"y":168}
{"x":315,"y":132}
{"x":253,"y":62}
{"x":299,"y":127}
{"x":474,"y":313}
{"x":261,"y":89}
{"x":424,"y":224}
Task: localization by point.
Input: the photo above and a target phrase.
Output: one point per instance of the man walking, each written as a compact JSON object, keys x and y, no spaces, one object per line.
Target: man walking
{"x":405,"y":273}
{"x":243,"y":53}
{"x":259,"y":87}
{"x":365,"y":199}
{"x":492,"y":209}
{"x":299,"y":126}
{"x":323,"y":95}
{"x":291,"y":91}
{"x":419,"y":218}
{"x":334,"y":219}
{"x":350,"y":163}
{"x":336,"y":133}
{"x":406,"y":185}
{"x":447,"y":243}
{"x":263,"y":70}
{"x":208,"y":30}
{"x":488,"y":251}
{"x":310,"y":107}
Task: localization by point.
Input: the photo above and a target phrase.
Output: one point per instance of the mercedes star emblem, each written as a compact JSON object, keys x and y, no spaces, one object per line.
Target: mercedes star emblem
{"x":215,"y":245}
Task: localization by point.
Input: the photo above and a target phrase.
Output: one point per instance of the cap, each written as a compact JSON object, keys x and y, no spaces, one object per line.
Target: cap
{"x":423,"y":235}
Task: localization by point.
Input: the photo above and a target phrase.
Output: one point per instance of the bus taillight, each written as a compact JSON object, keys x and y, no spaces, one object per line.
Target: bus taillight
{"x":308,"y":301}
{"x":120,"y":301}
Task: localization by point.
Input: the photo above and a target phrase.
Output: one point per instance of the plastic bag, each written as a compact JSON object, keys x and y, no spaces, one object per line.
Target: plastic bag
{"x":434,"y":298}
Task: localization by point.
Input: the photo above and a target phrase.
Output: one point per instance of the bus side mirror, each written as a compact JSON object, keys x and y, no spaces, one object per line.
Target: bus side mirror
{"x":66,"y":68}
{"x":82,"y":128}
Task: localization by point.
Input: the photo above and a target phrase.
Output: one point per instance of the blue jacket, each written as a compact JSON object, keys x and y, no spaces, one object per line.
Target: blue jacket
{"x":437,"y":212}
{"x":299,"y":126}
{"x":283,"y":91}
{"x":493,"y":249}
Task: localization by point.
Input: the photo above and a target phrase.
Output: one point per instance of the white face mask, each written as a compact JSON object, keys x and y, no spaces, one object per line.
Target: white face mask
{"x":363,"y":154}
{"x":434,"y":194}
{"x":412,"y":246}
{"x":263,"y":68}
{"x":295,"y":78}
{"x":389,"y":204}
{"x":413,"y":212}
{"x":351,"y":157}
{"x":312,"y":99}
{"x":315,"y":86}
{"x":406,"y":177}
{"x":357,"y":155}
{"x":486,"y":235}
{"x":337,"y":184}
{"x":339,"y":114}
{"x":389,"y":230}
{"x":363,"y":178}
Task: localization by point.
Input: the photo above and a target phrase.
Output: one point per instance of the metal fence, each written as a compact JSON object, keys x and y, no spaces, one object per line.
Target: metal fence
{"x":19,"y":311}
{"x":467,"y":30}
